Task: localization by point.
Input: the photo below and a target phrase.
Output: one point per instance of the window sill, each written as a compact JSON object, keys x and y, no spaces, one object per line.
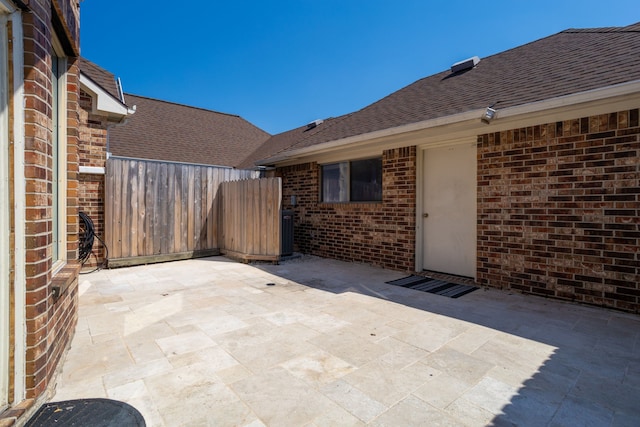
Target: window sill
{"x":350,"y":205}
{"x":11,"y":415}
{"x":63,"y":278}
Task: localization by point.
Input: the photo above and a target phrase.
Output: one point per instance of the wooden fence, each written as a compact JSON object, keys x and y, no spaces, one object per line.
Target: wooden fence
{"x":250,"y":221}
{"x":160,"y":211}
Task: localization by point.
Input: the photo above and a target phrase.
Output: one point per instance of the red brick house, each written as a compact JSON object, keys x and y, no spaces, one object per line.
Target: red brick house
{"x":520,"y":170}
{"x":39,"y":47}
{"x":102,"y":107}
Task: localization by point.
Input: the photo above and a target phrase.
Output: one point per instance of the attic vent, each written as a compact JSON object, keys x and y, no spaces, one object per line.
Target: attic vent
{"x":464,"y":65}
{"x":314,"y":123}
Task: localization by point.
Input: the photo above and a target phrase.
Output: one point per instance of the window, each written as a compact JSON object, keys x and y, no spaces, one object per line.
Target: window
{"x":355,"y":181}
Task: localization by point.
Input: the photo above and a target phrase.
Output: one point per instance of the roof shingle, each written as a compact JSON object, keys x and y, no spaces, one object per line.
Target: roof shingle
{"x":100,"y":76}
{"x":161,"y":130}
{"x":572,"y":61}
{"x":284,"y":140}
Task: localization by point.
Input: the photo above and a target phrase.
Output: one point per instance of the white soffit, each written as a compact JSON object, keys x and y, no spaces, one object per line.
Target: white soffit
{"x":104,"y":101}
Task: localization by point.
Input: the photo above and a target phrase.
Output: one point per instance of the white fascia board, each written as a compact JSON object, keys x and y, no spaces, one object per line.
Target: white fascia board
{"x":7,"y":7}
{"x":472,"y":119}
{"x":609,"y":92}
{"x":104,"y":101}
{"x":412,"y":127}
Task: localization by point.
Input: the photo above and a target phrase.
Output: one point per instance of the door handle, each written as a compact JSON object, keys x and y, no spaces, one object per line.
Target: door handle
{"x":425,"y":215}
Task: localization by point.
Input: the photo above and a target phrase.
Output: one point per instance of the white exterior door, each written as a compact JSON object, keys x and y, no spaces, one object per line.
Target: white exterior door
{"x":449,"y":209}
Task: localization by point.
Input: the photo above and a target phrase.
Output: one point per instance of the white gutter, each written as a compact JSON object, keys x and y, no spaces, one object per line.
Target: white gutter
{"x":532,"y":107}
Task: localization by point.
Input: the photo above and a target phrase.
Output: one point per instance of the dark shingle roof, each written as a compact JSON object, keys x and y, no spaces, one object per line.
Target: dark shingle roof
{"x":100,"y":76}
{"x":161,"y":130}
{"x":572,"y":61}
{"x":282,"y":141}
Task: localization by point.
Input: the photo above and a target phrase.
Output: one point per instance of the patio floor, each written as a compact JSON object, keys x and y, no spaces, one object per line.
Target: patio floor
{"x":317,"y":342}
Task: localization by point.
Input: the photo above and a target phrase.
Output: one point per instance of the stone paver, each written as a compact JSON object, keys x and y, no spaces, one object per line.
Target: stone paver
{"x":317,"y":342}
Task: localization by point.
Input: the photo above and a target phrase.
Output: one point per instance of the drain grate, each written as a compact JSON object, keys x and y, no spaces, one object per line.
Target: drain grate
{"x":433,"y":286}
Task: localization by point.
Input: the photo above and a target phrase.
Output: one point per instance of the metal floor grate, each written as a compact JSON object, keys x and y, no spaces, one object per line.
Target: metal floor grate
{"x":433,"y":286}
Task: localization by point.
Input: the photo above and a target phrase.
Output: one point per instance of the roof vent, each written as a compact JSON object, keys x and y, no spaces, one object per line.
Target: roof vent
{"x":120,"y":92}
{"x":465,"y":65}
{"x":315,"y":123}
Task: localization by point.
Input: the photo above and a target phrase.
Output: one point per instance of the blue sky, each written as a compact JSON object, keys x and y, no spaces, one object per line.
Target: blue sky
{"x":281,"y":64}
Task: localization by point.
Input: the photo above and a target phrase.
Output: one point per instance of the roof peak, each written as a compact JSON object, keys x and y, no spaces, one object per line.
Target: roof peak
{"x":87,"y":61}
{"x":633,"y":28}
{"x":164,"y":101}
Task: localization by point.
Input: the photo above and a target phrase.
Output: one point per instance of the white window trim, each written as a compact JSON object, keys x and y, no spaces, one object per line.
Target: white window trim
{"x":4,"y":217}
{"x":11,"y":13}
{"x":61,"y":218}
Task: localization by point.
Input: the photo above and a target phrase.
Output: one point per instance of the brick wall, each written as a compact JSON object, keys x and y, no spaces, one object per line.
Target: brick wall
{"x":92,"y":152}
{"x":380,"y":234}
{"x":73,"y":158}
{"x":559,"y":210}
{"x":49,"y":320}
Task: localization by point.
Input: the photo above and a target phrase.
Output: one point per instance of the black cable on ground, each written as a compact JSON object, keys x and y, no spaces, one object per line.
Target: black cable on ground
{"x":85,"y":246}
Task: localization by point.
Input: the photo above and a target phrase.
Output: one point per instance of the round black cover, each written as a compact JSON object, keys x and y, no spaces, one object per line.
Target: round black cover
{"x":87,"y":412}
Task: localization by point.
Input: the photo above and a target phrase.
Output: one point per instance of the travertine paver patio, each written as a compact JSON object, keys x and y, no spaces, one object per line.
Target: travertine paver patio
{"x":211,"y":342}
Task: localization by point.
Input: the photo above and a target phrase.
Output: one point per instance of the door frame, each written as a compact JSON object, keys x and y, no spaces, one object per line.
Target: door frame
{"x":420,"y":188}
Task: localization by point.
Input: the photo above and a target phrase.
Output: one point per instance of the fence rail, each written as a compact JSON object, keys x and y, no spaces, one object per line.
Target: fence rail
{"x":157,"y":211}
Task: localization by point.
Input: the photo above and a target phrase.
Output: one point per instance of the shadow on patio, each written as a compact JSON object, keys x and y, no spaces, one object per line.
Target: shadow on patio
{"x":322,"y":342}
{"x":589,"y":372}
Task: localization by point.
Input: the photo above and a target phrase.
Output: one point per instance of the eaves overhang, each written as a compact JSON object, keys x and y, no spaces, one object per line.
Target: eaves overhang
{"x":596,"y":101}
{"x":104,"y":102}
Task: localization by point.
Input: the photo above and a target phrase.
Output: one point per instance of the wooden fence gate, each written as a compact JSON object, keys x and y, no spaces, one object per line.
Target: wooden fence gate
{"x":250,"y":221}
{"x":162,"y":211}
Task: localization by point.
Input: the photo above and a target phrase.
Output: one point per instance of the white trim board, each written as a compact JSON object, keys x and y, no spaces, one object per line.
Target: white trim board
{"x":11,"y":14}
{"x":5,"y":214}
{"x":104,"y":101}
{"x":93,"y":170}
